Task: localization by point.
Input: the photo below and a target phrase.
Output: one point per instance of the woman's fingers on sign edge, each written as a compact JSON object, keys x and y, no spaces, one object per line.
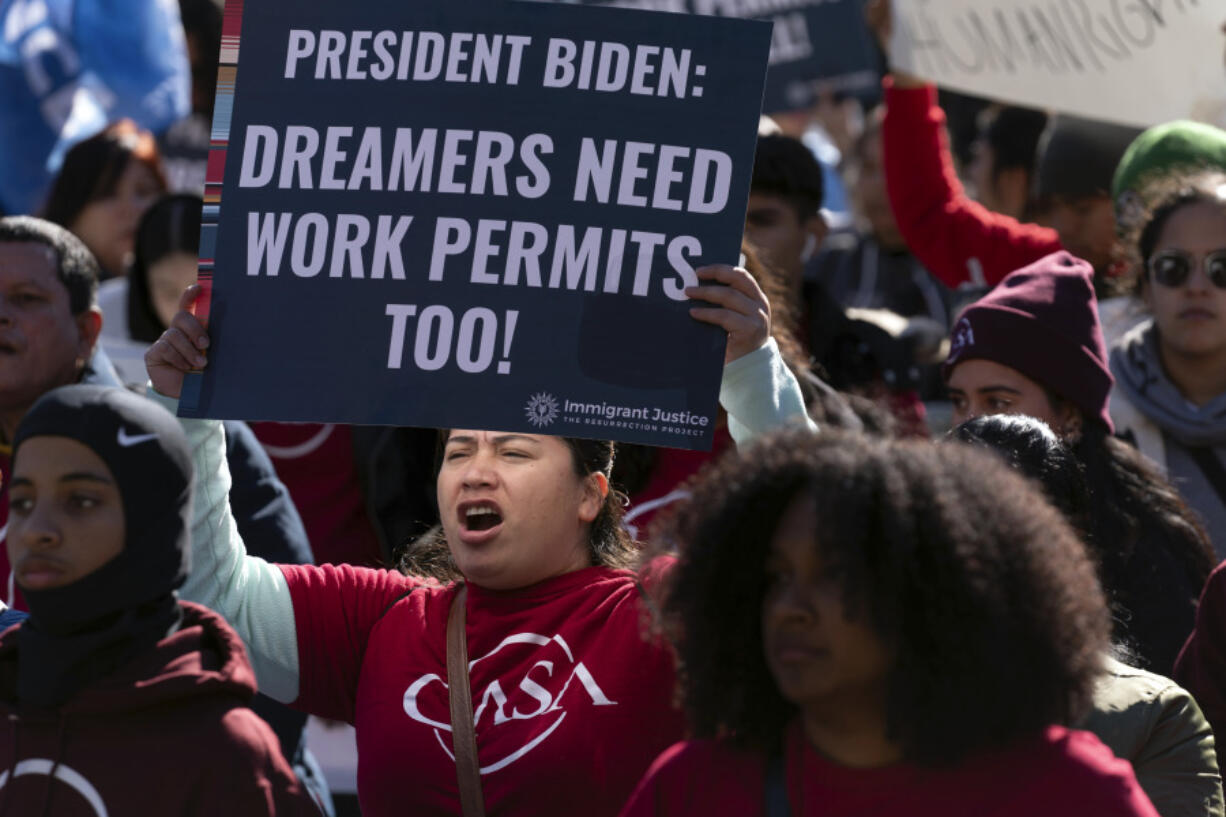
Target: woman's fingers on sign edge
{"x":186,"y":321}
{"x":178,"y":340}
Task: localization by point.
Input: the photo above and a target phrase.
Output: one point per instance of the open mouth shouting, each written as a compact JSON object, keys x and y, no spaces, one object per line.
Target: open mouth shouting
{"x":480,"y":520}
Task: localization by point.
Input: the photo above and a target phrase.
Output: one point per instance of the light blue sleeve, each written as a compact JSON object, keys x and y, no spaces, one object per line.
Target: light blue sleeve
{"x":251,"y":594}
{"x":760,"y":394}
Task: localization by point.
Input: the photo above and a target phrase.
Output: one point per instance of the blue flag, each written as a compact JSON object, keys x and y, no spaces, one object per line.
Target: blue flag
{"x":70,"y":67}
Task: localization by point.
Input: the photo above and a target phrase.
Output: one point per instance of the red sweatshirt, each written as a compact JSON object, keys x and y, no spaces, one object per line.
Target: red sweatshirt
{"x":664,"y":492}
{"x":167,"y":734}
{"x":315,"y":461}
{"x":1062,"y":774}
{"x":1201,"y":665}
{"x":572,"y":700}
{"x":950,"y":234}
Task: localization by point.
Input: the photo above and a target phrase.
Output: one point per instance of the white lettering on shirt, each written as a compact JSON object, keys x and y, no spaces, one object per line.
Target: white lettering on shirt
{"x":536,"y":683}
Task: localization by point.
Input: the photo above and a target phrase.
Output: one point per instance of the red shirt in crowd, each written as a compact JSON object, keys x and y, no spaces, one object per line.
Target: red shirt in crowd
{"x":1201,"y":665}
{"x":665,"y":490}
{"x":956,"y":239}
{"x":315,"y":461}
{"x":167,"y":733}
{"x":572,"y":698}
{"x":1062,"y":774}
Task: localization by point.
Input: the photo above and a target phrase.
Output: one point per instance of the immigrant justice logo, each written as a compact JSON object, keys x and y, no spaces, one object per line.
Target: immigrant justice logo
{"x":542,"y":409}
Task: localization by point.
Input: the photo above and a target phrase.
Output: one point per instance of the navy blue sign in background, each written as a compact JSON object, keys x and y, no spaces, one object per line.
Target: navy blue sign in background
{"x":815,"y":44}
{"x":439,"y":217}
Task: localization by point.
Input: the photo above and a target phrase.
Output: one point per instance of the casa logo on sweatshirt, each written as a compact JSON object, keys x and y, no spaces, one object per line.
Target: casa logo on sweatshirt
{"x":540,"y":696}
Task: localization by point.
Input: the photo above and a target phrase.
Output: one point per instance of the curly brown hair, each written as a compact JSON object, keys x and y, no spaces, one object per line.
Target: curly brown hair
{"x":1158,"y":201}
{"x":982,"y":590}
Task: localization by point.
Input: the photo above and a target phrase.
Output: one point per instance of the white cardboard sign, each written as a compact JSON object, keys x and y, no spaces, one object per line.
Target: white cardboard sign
{"x":1136,"y":62}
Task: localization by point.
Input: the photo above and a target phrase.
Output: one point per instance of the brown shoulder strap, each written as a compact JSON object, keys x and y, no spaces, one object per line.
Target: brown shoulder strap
{"x":463,"y":730}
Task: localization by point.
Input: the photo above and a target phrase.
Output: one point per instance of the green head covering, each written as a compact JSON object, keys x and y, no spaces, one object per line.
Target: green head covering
{"x":1173,"y":147}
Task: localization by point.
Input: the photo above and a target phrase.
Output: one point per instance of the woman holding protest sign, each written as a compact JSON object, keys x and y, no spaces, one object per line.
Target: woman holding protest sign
{"x":570,"y":700}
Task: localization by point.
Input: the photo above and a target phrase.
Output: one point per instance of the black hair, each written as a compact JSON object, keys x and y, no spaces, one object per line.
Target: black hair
{"x":202,"y":21}
{"x":1160,"y":200}
{"x":1132,"y":503}
{"x":874,"y":119}
{"x":92,"y":169}
{"x":784,"y":167}
{"x":979,"y":588}
{"x":1013,"y":135}
{"x":1153,"y":553}
{"x":75,"y":265}
{"x":1139,"y":521}
{"x":609,"y":544}
{"x":1033,"y":449}
{"x":171,"y":225}
{"x":962,"y":121}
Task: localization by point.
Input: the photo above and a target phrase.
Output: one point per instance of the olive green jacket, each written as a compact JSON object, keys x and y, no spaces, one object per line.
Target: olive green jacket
{"x":1155,"y":724}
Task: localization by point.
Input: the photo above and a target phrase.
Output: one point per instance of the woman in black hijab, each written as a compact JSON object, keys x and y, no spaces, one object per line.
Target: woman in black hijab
{"x":111,"y":670}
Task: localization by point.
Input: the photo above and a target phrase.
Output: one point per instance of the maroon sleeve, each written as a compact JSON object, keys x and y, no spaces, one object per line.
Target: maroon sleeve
{"x":655,"y":794}
{"x":1096,"y":782}
{"x":698,"y":777}
{"x":1201,"y":665}
{"x":947,"y":231}
{"x":335,"y":608}
{"x":245,"y":774}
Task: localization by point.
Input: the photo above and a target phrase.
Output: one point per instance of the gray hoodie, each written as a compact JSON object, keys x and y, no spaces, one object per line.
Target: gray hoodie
{"x":1148,"y":408}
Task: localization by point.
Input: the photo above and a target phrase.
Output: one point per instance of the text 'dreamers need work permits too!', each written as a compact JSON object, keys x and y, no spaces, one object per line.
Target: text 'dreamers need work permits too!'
{"x":474,"y":215}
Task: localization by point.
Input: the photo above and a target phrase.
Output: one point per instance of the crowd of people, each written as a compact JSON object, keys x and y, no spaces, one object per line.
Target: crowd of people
{"x":955,"y":552}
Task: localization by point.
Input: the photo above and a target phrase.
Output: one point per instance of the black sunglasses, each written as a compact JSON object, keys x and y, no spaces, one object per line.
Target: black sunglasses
{"x":1172,"y":268}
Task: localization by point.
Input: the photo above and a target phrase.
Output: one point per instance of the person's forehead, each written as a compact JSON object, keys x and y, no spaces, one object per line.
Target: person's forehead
{"x":53,"y":456}
{"x":477,"y":435}
{"x":766,"y":201}
{"x":27,"y":259}
{"x":980,"y":373}
{"x":1198,"y":225}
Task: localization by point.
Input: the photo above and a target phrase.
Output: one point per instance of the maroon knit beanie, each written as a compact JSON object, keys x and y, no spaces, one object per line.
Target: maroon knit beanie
{"x":1043,"y":321}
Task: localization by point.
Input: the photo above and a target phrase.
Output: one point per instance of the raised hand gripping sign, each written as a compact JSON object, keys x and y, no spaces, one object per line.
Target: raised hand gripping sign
{"x":483,"y":217}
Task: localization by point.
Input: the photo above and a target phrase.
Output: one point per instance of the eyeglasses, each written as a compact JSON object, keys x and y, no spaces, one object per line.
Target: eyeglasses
{"x":1172,"y":268}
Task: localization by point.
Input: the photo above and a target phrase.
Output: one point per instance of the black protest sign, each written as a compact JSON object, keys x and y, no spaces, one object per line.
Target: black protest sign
{"x":816,"y":45}
{"x":440,"y":215}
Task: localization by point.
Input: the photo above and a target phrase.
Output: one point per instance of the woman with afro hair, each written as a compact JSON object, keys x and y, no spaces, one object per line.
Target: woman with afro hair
{"x":878,"y":628}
